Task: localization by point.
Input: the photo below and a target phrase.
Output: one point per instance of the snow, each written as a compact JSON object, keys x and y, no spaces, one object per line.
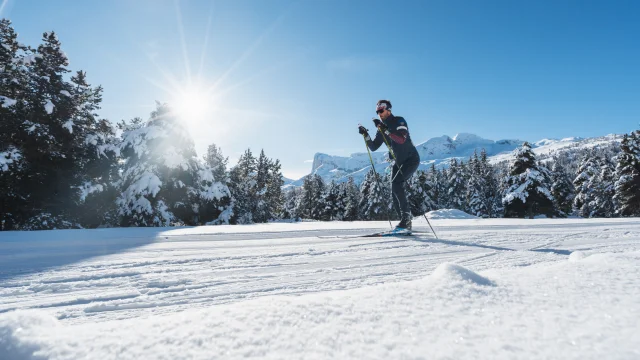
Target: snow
{"x":49,"y":107}
{"x":449,"y":214}
{"x":9,"y":157}
{"x":65,"y":93}
{"x":88,"y":188}
{"x":69,"y":126}
{"x":7,"y":102}
{"x":488,"y":288}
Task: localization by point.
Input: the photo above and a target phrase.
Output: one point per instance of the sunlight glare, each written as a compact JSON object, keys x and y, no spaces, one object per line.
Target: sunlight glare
{"x":192,"y":104}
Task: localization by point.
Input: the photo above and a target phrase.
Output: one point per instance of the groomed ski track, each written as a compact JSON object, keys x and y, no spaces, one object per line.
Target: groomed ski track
{"x":81,"y":276}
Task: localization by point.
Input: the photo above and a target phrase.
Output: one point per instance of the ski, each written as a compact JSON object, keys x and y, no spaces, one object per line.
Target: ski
{"x":388,"y":233}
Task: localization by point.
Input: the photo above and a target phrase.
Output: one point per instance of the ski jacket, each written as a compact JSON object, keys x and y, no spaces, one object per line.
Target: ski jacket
{"x":398,"y":138}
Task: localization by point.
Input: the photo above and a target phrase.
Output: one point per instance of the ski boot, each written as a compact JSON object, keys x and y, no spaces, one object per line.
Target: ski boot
{"x":404,"y":226}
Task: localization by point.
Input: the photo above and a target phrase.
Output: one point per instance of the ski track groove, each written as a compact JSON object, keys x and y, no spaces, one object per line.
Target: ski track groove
{"x":199,"y":270}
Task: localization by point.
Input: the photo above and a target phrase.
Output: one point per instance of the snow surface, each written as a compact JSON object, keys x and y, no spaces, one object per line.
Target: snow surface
{"x":487,"y":288}
{"x":449,"y":214}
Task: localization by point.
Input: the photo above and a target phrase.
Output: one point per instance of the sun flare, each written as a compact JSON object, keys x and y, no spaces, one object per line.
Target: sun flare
{"x":192,"y":104}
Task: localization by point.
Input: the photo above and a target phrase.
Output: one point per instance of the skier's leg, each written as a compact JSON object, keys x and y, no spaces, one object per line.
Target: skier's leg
{"x":397,"y":185}
{"x":400,"y":197}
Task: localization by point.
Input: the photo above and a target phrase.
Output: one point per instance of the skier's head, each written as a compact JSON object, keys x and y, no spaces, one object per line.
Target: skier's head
{"x":383,"y":109}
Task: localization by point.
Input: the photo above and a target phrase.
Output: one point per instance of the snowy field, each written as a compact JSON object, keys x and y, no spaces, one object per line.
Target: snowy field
{"x":486,"y":289}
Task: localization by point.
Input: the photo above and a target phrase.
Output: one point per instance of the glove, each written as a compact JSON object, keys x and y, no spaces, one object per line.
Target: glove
{"x":380,"y":125}
{"x":363,"y":131}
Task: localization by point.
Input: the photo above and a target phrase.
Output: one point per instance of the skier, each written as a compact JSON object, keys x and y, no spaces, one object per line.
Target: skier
{"x":394,"y":131}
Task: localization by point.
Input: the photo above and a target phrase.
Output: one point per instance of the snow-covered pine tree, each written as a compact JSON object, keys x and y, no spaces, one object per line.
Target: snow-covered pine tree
{"x":352,"y":200}
{"x":603,"y":185}
{"x":418,"y":190}
{"x":562,"y":189}
{"x":262,"y":211}
{"x":491,"y":187}
{"x":305,"y":201}
{"x":419,"y":193}
{"x":331,"y":203}
{"x":456,"y":186}
{"x":318,"y":188}
{"x":374,"y":200}
{"x":217,"y":162}
{"x":290,"y":201}
{"x":163,"y":181}
{"x":95,"y":152}
{"x":13,"y":167}
{"x":476,"y":187}
{"x":528,"y":184}
{"x":587,"y":171}
{"x":242,"y":184}
{"x":627,"y":187}
{"x":437,"y":191}
{"x":66,"y":154}
{"x":309,"y":202}
{"x":274,"y":195}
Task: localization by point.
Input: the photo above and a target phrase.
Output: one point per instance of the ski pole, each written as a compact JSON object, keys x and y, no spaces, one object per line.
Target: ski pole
{"x":374,"y":170}
{"x":393,"y":156}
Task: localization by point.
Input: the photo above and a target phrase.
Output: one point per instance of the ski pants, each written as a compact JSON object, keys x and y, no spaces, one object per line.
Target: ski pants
{"x":399,"y":175}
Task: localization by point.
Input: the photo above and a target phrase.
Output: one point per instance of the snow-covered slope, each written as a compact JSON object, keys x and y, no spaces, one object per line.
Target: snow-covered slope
{"x":486,"y":289}
{"x":440,"y":150}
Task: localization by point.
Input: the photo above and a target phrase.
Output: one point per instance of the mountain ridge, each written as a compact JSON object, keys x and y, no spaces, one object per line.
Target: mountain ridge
{"x":439,"y":151}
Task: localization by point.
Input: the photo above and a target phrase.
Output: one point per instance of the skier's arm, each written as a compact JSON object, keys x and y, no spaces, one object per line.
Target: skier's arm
{"x":401,"y":131}
{"x":398,"y":135}
{"x":376,"y":142}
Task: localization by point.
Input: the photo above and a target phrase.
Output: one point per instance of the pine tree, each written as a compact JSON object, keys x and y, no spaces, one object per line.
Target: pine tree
{"x":163,"y":182}
{"x":318,"y":189}
{"x":274,"y":195}
{"x":491,"y":189}
{"x":290,"y":200}
{"x":438,"y":190}
{"x":309,"y":204}
{"x":217,"y":162}
{"x":602,"y":203}
{"x":242,"y":184}
{"x":587,"y":171}
{"x":331,"y":203}
{"x":456,"y":186}
{"x":561,"y":189}
{"x":528,"y":186}
{"x":476,"y":187}
{"x":261,"y":212}
{"x":65,"y":155}
{"x":374,"y":200}
{"x":13,"y":164}
{"x":352,"y":200}
{"x":418,"y":189}
{"x":627,"y":187}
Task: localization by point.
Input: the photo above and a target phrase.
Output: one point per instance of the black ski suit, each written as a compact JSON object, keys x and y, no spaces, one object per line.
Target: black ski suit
{"x":406,"y":156}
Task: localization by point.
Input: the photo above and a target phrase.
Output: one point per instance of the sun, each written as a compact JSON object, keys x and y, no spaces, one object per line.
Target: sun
{"x":192,"y":104}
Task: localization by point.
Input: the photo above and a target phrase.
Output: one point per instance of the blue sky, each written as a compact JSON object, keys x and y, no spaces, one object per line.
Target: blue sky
{"x":296,"y":77}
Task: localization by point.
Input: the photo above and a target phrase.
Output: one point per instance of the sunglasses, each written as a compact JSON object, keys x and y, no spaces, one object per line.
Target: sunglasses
{"x":381,"y":109}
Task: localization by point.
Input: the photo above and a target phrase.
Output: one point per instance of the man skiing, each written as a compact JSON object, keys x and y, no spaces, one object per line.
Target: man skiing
{"x":394,"y":132}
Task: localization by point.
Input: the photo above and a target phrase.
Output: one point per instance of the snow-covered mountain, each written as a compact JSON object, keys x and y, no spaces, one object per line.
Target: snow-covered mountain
{"x":440,"y":150}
